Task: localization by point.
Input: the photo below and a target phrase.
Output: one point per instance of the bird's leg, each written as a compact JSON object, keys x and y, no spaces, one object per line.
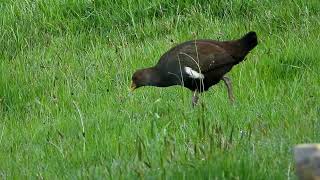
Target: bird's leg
{"x":195,"y":98}
{"x":227,"y":82}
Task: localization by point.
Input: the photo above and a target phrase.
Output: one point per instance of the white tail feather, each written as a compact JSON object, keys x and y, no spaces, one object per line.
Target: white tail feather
{"x":193,"y":74}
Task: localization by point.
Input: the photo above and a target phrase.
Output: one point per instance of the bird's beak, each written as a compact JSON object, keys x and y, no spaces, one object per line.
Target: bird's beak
{"x":133,"y":86}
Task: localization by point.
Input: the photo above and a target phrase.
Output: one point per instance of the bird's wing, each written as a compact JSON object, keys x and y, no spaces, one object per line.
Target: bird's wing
{"x":204,"y":56}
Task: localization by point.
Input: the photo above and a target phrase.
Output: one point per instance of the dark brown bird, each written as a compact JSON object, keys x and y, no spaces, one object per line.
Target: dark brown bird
{"x":197,"y":65}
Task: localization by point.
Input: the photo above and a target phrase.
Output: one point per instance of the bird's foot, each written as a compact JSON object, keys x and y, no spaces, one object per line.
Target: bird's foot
{"x":195,"y":98}
{"x":228,"y":83}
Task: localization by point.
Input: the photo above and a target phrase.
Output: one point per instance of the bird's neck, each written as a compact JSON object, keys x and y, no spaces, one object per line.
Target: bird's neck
{"x":159,"y":78}
{"x":154,"y":76}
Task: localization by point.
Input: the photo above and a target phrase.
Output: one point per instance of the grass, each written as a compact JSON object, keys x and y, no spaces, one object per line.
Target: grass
{"x":66,"y":111}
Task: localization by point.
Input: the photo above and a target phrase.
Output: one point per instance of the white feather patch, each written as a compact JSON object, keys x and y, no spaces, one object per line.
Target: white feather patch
{"x":193,"y":74}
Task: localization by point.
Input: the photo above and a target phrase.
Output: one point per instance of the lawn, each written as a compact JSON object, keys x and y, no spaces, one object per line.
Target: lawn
{"x":66,"y":111}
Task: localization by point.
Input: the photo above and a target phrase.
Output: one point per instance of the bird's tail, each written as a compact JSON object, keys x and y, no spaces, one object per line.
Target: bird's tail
{"x":249,"y":41}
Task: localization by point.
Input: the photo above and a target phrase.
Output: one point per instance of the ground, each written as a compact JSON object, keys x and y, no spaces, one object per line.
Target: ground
{"x":66,"y":111}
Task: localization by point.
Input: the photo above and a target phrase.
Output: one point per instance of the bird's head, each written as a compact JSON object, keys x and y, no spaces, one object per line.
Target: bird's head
{"x":144,"y":77}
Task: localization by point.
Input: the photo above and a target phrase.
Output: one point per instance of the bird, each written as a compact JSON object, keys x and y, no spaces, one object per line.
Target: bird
{"x":197,"y":65}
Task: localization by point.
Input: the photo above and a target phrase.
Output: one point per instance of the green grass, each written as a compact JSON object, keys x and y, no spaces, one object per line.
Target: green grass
{"x":66,"y":112}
